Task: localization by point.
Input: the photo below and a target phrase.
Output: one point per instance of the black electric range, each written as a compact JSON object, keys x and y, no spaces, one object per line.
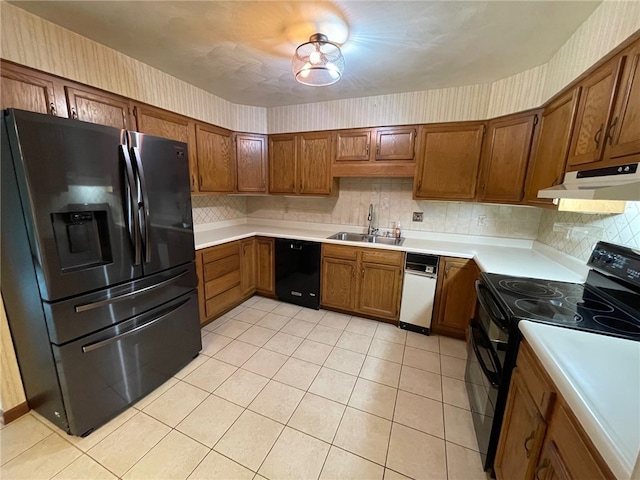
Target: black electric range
{"x":607,"y":303}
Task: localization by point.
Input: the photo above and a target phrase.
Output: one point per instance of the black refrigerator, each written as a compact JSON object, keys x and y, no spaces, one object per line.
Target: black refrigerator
{"x":97,"y":264}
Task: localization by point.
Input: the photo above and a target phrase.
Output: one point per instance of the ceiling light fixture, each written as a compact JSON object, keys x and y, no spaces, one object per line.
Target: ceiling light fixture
{"x":318,"y":62}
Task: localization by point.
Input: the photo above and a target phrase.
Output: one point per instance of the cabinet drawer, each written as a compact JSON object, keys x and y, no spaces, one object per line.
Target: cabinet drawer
{"x":221,"y":267}
{"x":536,"y":380}
{"x":220,"y":251}
{"x":339,"y":251}
{"x":223,"y":301}
{"x":221,"y":284}
{"x":383,"y":257}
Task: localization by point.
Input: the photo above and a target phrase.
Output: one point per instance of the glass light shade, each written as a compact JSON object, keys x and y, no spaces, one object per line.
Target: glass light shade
{"x":318,"y":62}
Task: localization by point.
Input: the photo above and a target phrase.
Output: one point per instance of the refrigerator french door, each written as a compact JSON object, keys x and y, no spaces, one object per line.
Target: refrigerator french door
{"x":97,"y":244}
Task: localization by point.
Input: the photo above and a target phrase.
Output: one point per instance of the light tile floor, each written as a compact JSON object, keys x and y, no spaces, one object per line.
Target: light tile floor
{"x":279,"y":392}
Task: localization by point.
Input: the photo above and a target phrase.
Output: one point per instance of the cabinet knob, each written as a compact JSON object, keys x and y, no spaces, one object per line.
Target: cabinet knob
{"x":526,"y":442}
{"x":545,"y":464}
{"x":52,"y":108}
{"x":611,"y":129}
{"x":74,"y":114}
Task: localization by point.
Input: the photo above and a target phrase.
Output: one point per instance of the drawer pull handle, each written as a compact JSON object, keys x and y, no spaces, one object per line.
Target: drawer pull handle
{"x":545,"y":464}
{"x":612,"y":128}
{"x":526,"y":442}
{"x":598,"y":135}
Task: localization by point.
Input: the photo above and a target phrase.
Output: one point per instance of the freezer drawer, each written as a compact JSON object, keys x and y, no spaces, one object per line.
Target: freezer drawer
{"x":101,"y":374}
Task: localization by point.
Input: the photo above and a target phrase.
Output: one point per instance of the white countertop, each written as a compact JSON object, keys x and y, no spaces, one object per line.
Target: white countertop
{"x":599,"y":377}
{"x":494,"y":255}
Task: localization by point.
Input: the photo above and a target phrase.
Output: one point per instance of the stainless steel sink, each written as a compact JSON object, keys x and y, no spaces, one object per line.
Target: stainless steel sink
{"x":359,"y":237}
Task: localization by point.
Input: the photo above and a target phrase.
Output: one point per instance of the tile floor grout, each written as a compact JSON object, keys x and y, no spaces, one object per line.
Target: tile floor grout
{"x":227,"y":319}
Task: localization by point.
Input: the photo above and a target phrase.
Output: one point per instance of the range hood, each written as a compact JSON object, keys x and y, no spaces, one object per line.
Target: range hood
{"x":610,"y":183}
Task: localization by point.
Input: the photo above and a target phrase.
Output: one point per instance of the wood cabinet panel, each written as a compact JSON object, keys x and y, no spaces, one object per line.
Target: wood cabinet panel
{"x":505,"y":158}
{"x":248,"y":266}
{"x":251,"y":163}
{"x":455,"y":296}
{"x":622,"y":143}
{"x":379,"y":292}
{"x":551,"y":147}
{"x":521,"y":435}
{"x":339,"y":251}
{"x":594,"y":111}
{"x":94,"y":106}
{"x":216,"y":168}
{"x":220,"y":251}
{"x":352,"y":145}
{"x":223,"y":302}
{"x":222,"y":283}
{"x":448,"y":160}
{"x":26,"y":89}
{"x":551,"y":466}
{"x":201,"y":297}
{"x":283,"y":161}
{"x":314,"y":164}
{"x":395,"y":143}
{"x":338,"y":289}
{"x":383,"y":257}
{"x":265,"y":269}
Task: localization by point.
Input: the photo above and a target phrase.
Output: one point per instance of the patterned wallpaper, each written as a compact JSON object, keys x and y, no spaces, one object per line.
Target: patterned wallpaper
{"x":211,"y":209}
{"x":517,"y":92}
{"x":576,"y":233}
{"x":392,"y":202}
{"x":35,"y":42}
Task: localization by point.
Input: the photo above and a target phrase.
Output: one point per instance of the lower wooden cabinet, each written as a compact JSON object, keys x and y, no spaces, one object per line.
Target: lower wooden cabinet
{"x":362,"y":280}
{"x":265,"y":269}
{"x":455,"y":302}
{"x":540,"y":438}
{"x":248,"y":266}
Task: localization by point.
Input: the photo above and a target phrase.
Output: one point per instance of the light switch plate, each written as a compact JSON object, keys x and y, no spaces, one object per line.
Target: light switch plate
{"x":418,"y":216}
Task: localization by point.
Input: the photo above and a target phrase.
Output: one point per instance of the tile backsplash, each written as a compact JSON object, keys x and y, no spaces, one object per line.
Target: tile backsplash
{"x":622,"y":229}
{"x":392,"y":202}
{"x":210,"y":209}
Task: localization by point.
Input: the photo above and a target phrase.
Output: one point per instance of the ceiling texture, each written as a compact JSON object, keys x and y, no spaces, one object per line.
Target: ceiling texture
{"x":241,"y":50}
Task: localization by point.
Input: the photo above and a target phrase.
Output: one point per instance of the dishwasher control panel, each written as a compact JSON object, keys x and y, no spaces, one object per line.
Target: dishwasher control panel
{"x":422,"y":264}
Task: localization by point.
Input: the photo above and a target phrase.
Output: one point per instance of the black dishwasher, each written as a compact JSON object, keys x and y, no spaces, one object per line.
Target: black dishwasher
{"x":298,"y":272}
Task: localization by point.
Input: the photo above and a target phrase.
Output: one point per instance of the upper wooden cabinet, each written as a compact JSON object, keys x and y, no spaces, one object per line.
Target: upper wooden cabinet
{"x":216,"y":168}
{"x":447,"y":161}
{"x":283,"y":161}
{"x":551,"y":147}
{"x":27,"y":89}
{"x":455,"y":301}
{"x":95,"y":106}
{"x":392,"y":155}
{"x":161,"y":123}
{"x":251,"y":163}
{"x":505,"y":158}
{"x":301,"y":164}
{"x":622,"y":143}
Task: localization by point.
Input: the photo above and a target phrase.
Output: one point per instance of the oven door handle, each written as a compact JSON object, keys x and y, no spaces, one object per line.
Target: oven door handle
{"x":492,"y":375}
{"x":490,"y":306}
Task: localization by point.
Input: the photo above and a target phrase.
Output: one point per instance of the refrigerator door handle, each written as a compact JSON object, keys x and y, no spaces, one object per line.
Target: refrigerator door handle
{"x":102,"y":343}
{"x":131,"y":203}
{"x":126,"y":296}
{"x":144,"y":206}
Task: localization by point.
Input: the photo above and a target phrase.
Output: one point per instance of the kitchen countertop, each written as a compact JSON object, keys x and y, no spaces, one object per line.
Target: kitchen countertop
{"x":599,"y":377}
{"x":492,"y":255}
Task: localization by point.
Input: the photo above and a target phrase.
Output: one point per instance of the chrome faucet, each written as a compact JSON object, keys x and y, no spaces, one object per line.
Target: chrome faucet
{"x":371,"y":230}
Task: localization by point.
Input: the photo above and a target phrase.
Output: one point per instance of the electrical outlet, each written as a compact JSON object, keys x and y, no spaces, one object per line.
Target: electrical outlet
{"x":418,"y":216}
{"x":482,"y":220}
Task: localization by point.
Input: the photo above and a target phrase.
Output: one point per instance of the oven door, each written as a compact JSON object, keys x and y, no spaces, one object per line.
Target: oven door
{"x":488,"y":339}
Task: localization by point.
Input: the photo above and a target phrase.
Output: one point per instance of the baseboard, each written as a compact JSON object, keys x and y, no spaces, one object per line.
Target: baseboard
{"x":15,"y":413}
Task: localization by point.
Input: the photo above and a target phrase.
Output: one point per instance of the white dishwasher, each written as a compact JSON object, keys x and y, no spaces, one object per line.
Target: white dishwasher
{"x":418,"y":292}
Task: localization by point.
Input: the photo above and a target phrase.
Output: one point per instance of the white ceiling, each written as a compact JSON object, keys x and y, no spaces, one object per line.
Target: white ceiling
{"x":241,"y":50}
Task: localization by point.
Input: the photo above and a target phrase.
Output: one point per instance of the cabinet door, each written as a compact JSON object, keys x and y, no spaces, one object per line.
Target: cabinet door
{"x":251,"y":163}
{"x":395,"y":143}
{"x":380,"y":289}
{"x":505,"y":158}
{"x":265,"y":283}
{"x":352,"y":145}
{"x":551,"y":466}
{"x":521,"y":435}
{"x":338,"y":289}
{"x":282,"y":163}
{"x":456,"y":296}
{"x":551,"y":147}
{"x":201,"y":297}
{"x":162,"y":123}
{"x":216,"y":170}
{"x":447,"y":161}
{"x":26,"y":89}
{"x":623,"y":135}
{"x":314,"y":164}
{"x":247,"y":267}
{"x":94,"y":106}
{"x":594,"y":111}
